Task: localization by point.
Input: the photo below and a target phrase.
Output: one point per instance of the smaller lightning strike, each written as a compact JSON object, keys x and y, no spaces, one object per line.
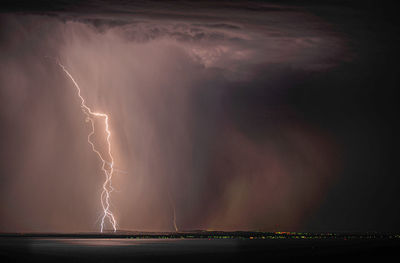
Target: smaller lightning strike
{"x":173,"y":210}
{"x":107,"y":187}
{"x":176,"y":228}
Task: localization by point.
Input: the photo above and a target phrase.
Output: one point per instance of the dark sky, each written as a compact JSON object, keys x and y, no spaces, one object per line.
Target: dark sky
{"x":241,"y":115}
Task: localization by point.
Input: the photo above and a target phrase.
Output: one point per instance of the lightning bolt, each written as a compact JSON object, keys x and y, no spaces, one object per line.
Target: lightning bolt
{"x":173,"y":210}
{"x":107,"y":166}
{"x":175,"y":226}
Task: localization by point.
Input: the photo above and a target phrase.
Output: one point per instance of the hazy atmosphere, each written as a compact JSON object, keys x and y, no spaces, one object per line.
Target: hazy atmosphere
{"x":223,"y":116}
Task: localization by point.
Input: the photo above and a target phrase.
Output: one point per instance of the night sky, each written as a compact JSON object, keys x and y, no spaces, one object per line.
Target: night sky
{"x":237,"y":115}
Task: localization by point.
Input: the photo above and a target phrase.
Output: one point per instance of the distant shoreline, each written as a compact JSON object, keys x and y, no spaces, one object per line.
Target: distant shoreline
{"x":211,"y":234}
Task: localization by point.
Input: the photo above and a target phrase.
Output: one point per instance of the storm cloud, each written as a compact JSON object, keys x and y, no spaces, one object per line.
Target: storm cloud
{"x":201,"y":113}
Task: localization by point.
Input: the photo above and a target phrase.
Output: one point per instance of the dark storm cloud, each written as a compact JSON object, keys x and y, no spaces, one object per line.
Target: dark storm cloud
{"x":219,"y":106}
{"x":171,"y":87}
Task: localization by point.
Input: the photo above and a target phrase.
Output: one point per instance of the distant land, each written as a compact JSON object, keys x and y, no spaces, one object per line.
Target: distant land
{"x":213,"y":234}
